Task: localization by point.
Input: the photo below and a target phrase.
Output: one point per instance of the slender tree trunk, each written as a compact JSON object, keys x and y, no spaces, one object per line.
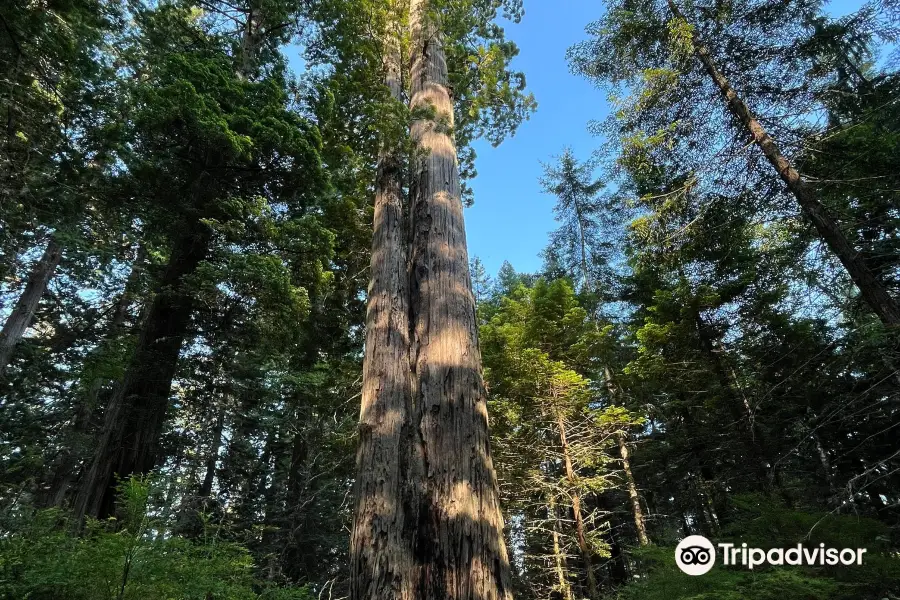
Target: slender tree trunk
{"x":189,"y":523}
{"x":558,"y":556}
{"x":618,"y":568}
{"x":171,"y":489}
{"x":251,"y":37}
{"x":65,"y":473}
{"x":873,"y":291}
{"x":685,"y":526}
{"x":255,"y":487}
{"x":212,"y":459}
{"x":580,"y":532}
{"x":136,"y":413}
{"x":822,"y":454}
{"x":275,"y":516}
{"x":382,"y":565}
{"x":709,"y":507}
{"x":460,"y":529}
{"x":759,"y":444}
{"x":826,"y":464}
{"x":636,"y":510}
{"x":622,"y":441}
{"x":23,"y":312}
{"x":615,"y":569}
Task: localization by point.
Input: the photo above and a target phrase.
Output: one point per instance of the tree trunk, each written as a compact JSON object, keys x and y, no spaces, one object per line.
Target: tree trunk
{"x":622,"y":440}
{"x":460,"y":529}
{"x":685,"y":526}
{"x":382,"y":566}
{"x":708,"y":507}
{"x":73,"y":451}
{"x":251,"y":38}
{"x":580,"y":533}
{"x":136,"y":413}
{"x":822,"y":454}
{"x":169,"y":498}
{"x":636,"y":510}
{"x":873,"y":291}
{"x":213,"y":458}
{"x":189,"y":522}
{"x":559,"y":558}
{"x":20,"y":317}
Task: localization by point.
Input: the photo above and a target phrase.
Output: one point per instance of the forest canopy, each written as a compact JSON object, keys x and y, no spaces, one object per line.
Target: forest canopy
{"x":246,"y":354}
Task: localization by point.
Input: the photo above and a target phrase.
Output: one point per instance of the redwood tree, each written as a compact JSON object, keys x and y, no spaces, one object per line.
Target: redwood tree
{"x":460,"y":528}
{"x":427,"y":520}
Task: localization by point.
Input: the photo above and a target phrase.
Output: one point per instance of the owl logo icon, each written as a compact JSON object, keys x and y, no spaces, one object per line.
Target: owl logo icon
{"x":695,"y":555}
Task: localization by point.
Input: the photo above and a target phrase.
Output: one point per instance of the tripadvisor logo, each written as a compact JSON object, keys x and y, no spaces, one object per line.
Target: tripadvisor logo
{"x":695,"y":555}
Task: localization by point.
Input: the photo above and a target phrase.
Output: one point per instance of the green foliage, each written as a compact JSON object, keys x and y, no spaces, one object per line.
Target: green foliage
{"x":538,"y":345}
{"x":490,"y":97}
{"x":584,"y":246}
{"x":763,"y":525}
{"x":41,"y":557}
{"x":666,"y":581}
{"x":684,"y":315}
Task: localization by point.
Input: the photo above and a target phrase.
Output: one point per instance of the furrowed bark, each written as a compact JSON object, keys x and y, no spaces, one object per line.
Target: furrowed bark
{"x":136,"y":413}
{"x":873,"y":291}
{"x":382,"y":565}
{"x":23,"y":312}
{"x":460,"y":529}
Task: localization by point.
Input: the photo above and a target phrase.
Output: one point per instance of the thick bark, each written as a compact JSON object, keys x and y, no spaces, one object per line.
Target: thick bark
{"x":580,"y":531}
{"x":382,"y":565}
{"x":873,"y":291}
{"x":622,"y":440}
{"x":134,"y":419}
{"x":460,"y":528}
{"x":23,"y":312}
{"x":137,"y":411}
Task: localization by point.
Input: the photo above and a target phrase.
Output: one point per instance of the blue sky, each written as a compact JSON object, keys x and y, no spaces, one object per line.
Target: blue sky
{"x":511,"y":217}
